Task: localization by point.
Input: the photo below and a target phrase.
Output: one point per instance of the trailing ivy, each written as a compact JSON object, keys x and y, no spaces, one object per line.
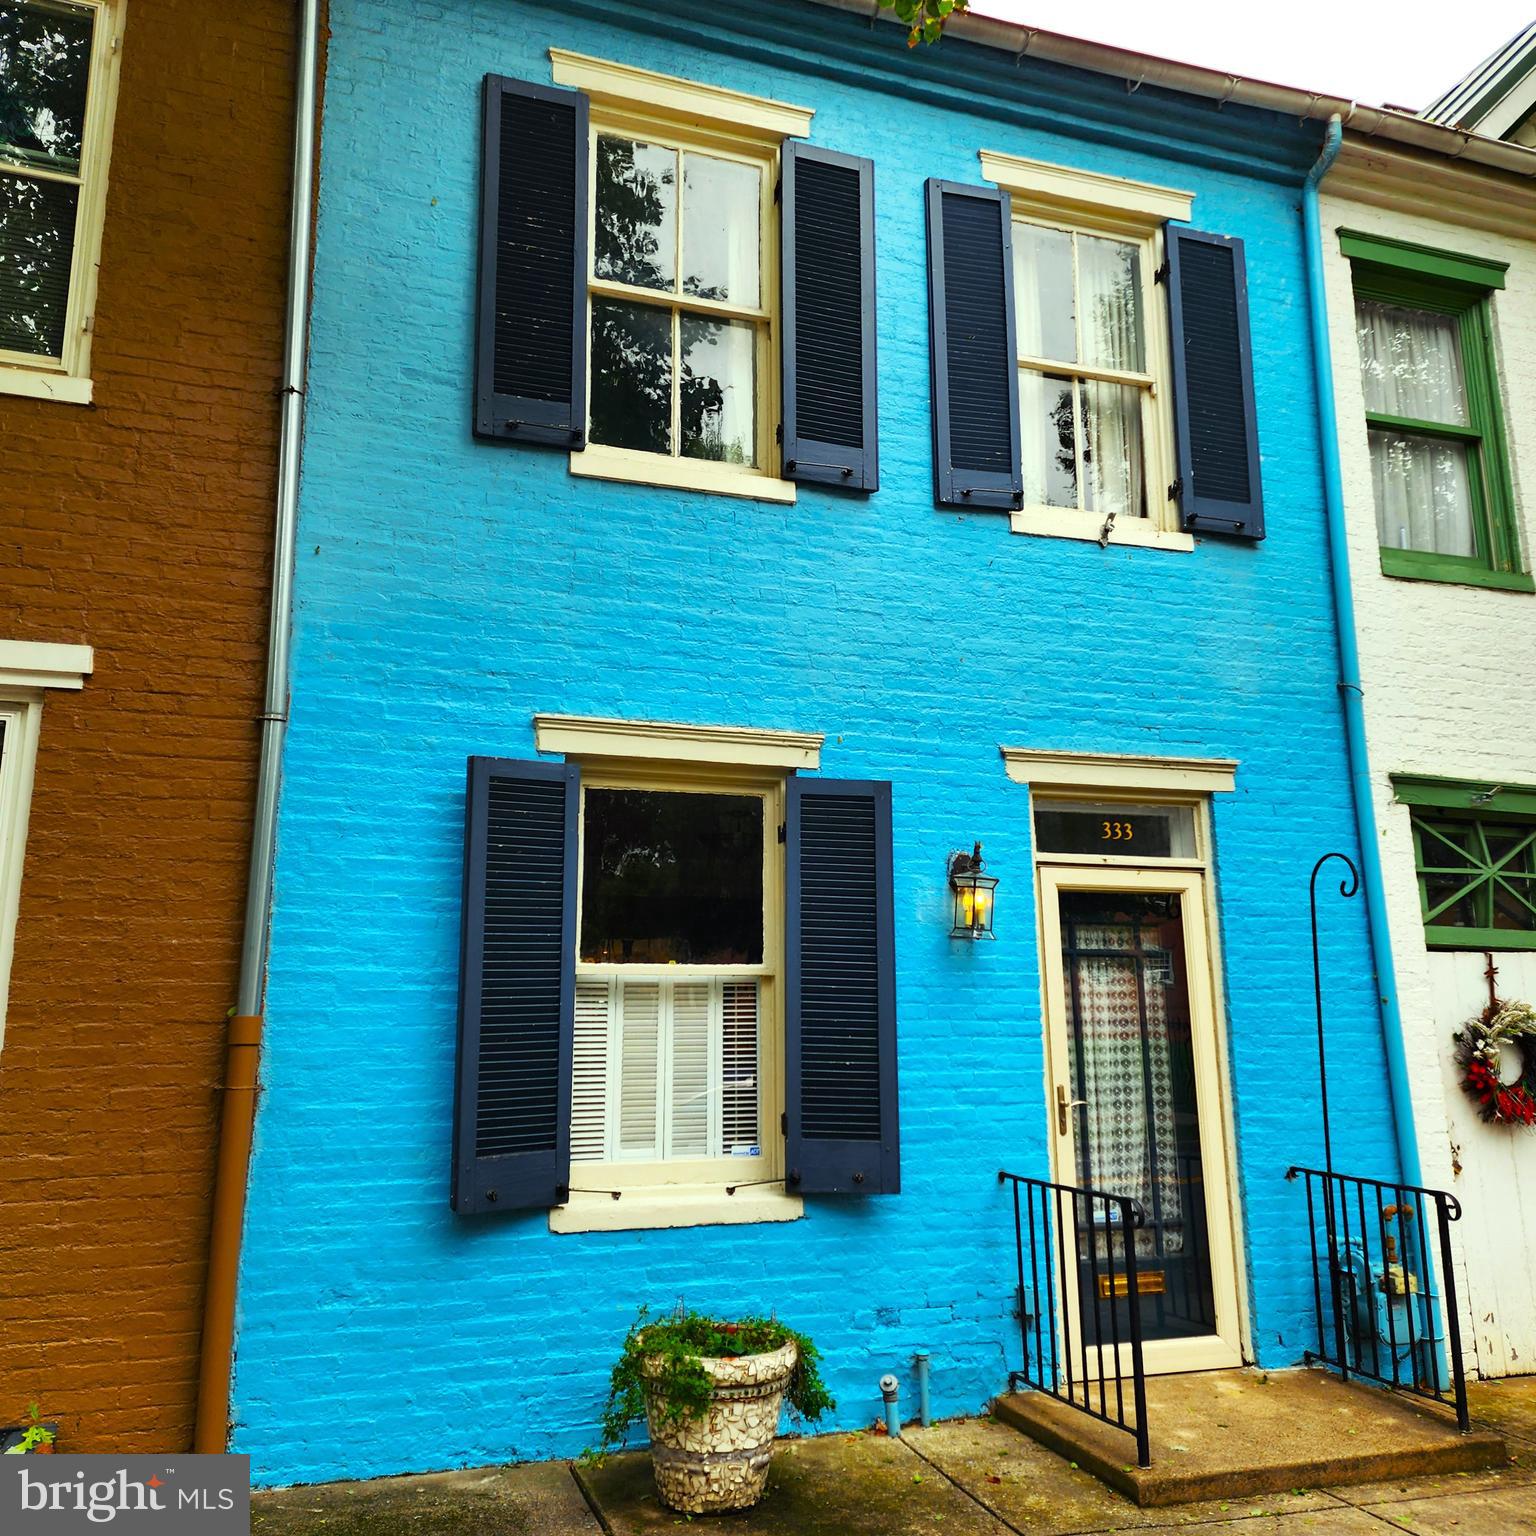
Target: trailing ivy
{"x":673,"y":1348}
{"x":924,"y":19}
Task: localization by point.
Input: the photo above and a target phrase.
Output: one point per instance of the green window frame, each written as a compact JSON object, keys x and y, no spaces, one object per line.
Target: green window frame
{"x":1418,"y":277}
{"x":1474,"y":848}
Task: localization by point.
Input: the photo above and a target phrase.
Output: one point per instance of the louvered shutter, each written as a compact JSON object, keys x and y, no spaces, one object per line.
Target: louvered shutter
{"x":512,"y":1107}
{"x":827,"y":269}
{"x":1218,"y":487}
{"x":840,"y":994}
{"x":531,"y":336}
{"x":973,"y":361}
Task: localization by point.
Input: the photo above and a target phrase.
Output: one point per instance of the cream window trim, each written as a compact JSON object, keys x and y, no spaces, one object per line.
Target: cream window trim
{"x":1061,"y":189}
{"x":603,"y":463}
{"x":593,"y":736}
{"x":593,"y":1211}
{"x":1065,"y":523}
{"x":41,"y":664}
{"x":20,"y":719}
{"x":688,"y":102}
{"x":67,"y":379}
{"x":1120,"y":771}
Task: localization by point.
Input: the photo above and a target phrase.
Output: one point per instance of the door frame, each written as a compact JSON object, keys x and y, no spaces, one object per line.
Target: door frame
{"x":1224,"y":1347}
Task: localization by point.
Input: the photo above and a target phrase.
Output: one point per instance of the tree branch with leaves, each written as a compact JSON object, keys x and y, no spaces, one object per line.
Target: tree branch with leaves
{"x":925,"y":19}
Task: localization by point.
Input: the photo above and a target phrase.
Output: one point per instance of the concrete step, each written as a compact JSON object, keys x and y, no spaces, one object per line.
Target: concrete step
{"x":1233,"y":1434}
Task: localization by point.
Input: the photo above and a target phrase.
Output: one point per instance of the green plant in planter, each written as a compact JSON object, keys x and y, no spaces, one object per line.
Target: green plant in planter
{"x":674,"y":1347}
{"x":36,"y":1438}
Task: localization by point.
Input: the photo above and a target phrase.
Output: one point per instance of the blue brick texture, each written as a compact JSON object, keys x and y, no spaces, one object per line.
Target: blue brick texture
{"x":448,"y":589}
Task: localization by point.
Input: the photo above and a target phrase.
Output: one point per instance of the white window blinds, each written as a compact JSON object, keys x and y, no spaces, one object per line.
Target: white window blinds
{"x":665,"y":1070}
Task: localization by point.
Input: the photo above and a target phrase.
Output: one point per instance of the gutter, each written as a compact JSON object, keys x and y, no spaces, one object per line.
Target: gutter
{"x":1138,"y":69}
{"x":1350,"y":693}
{"x":243,"y":1043}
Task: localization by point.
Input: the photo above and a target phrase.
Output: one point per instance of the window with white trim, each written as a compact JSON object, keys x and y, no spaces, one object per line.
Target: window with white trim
{"x":676,"y":1041}
{"x":57,"y":83}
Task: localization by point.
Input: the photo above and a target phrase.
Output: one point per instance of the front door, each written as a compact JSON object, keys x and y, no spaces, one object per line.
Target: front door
{"x":1135,"y":1106}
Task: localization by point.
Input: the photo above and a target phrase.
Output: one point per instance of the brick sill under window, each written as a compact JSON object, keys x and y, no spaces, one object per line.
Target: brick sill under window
{"x":592,"y":1210}
{"x":41,"y":384}
{"x":1418,"y":565}
{"x":707,"y":475}
{"x":1064,"y":523}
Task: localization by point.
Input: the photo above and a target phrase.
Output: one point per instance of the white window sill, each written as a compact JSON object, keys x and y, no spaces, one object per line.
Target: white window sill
{"x":592,"y":1210}
{"x":717,"y":479}
{"x":39,"y":384}
{"x":1064,"y":523}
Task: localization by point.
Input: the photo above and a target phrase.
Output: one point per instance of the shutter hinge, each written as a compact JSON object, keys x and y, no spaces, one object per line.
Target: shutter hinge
{"x":784,"y":1121}
{"x":778,"y":434}
{"x":1176,"y":490}
{"x":783,"y":832}
{"x":778,"y":189}
{"x":1161,"y":275}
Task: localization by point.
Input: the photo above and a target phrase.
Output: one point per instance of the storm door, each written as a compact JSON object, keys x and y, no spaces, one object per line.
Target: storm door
{"x":1135,"y":1106}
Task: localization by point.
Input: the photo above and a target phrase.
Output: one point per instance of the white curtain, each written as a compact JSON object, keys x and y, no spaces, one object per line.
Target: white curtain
{"x":1410,"y":366}
{"x":1112,"y":433}
{"x":1109,"y":297}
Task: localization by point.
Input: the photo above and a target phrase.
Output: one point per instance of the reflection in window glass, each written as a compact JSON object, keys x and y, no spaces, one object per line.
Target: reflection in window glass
{"x":1423,"y":492}
{"x":45,"y":57}
{"x":722,"y":201}
{"x":718,"y":389}
{"x":1410,"y":363}
{"x":671,"y":878}
{"x":1109,"y":280}
{"x":1112,"y":448}
{"x":636,"y":213}
{"x":1047,"y":317}
{"x":631,"y":376}
{"x":1050,"y":440}
{"x":37,"y":241}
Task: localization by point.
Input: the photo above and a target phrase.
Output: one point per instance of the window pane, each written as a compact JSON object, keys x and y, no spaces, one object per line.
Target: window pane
{"x":1109,"y":282}
{"x":1410,"y":363}
{"x":639,"y":1067}
{"x":1121,"y":830}
{"x":37,"y":243}
{"x":738,"y":1070}
{"x":1423,"y":493}
{"x":45,"y":58}
{"x":671,"y":878}
{"x":1050,"y":451}
{"x":719,"y":417}
{"x":631,"y":376}
{"x":636,"y":213}
{"x":722,"y":243}
{"x":1042,"y":285}
{"x":1112,"y":448}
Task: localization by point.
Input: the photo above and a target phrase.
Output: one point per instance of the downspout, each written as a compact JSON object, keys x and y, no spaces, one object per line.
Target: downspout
{"x":243,"y":1043}
{"x":1349,"y":668}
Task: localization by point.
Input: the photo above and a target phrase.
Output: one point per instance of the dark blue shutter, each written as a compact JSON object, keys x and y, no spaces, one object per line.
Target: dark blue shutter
{"x":531,"y":334}
{"x":1218,"y":488}
{"x":840,"y":997}
{"x":517,"y":977}
{"x":828,"y":274}
{"x":973,"y":361}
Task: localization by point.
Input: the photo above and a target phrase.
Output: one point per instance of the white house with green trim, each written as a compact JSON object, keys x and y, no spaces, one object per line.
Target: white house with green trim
{"x":1432,"y":304}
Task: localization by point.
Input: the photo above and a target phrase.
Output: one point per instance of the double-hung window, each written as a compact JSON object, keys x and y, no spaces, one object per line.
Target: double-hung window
{"x":1430,"y":389}
{"x":57,"y":81}
{"x":681,"y":366}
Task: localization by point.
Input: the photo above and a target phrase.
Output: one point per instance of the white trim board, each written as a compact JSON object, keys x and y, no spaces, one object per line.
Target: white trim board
{"x":668,"y":741}
{"x":1040,"y":183}
{"x":1114,"y":770}
{"x":41,"y":664}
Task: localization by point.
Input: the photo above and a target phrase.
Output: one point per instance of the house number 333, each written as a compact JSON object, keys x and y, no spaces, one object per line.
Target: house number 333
{"x":1116,"y":831}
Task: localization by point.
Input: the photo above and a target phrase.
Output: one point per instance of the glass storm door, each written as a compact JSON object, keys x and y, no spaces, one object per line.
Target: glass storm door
{"x":1135,"y":1109}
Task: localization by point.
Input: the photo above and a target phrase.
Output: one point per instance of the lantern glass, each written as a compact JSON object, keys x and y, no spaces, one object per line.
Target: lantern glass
{"x":974,"y":900}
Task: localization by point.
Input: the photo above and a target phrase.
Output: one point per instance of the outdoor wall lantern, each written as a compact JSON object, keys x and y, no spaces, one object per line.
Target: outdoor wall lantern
{"x":973,"y":896}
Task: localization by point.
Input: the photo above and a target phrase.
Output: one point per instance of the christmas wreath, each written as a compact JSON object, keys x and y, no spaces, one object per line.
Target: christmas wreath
{"x":1479,"y":1055}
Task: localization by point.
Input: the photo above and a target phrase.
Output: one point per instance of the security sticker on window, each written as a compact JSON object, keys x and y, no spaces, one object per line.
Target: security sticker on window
{"x":130,"y":1495}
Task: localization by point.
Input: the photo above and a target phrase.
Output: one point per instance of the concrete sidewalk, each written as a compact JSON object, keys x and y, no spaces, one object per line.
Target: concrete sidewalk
{"x":969,"y":1477}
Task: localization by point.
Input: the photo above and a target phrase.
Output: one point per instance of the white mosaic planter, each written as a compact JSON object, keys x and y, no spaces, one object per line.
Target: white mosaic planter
{"x":720,"y":1460}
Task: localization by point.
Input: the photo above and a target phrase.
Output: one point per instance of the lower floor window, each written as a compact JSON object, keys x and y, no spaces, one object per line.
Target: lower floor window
{"x":665,"y":1069}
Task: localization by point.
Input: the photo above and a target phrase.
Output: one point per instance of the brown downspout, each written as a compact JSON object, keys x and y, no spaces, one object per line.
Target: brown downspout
{"x":243,"y":1043}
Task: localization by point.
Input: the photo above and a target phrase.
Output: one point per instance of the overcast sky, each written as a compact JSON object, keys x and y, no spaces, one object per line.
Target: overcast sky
{"x":1372,"y":52}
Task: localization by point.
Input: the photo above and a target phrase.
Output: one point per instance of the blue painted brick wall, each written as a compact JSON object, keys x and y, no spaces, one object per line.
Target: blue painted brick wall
{"x":448,"y":589}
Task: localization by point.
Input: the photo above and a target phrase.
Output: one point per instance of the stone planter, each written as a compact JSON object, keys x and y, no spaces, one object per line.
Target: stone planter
{"x":720,"y":1460}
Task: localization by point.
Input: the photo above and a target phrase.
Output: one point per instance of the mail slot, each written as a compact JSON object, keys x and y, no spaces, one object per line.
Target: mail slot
{"x":1149,"y":1282}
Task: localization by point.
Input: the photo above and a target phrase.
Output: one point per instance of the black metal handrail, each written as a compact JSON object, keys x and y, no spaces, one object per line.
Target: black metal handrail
{"x":1379,"y":1314}
{"x":1060,"y":1357}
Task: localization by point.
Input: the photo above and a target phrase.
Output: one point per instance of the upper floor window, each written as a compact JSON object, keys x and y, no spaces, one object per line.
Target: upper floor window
{"x":57,"y":67}
{"x":680,"y":318}
{"x":1430,"y":388}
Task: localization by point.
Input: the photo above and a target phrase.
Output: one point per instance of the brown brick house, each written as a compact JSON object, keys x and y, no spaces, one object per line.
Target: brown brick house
{"x":139,"y":410}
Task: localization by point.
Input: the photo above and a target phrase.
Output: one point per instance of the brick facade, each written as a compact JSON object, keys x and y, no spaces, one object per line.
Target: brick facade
{"x":141,"y":526}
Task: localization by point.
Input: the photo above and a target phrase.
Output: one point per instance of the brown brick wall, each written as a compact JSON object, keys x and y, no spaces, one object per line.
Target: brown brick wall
{"x":142,"y":526}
